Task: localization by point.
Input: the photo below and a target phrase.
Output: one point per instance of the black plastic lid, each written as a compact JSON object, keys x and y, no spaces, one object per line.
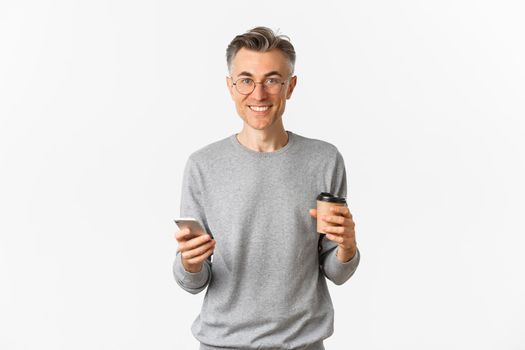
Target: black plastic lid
{"x":328,"y":197}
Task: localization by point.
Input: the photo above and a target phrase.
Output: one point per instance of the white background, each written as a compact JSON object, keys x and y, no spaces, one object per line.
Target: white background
{"x":101,"y":102}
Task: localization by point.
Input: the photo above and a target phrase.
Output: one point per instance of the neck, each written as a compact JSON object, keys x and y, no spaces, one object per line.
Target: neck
{"x":263,"y":140}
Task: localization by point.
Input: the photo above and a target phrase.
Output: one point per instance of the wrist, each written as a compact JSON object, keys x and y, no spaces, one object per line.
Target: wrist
{"x":191,"y":268}
{"x":345,"y":255}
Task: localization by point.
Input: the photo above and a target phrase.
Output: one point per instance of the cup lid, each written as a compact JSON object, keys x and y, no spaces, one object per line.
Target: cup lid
{"x":328,"y":197}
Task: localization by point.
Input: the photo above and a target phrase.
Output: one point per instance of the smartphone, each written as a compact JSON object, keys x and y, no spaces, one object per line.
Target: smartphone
{"x":195,"y":227}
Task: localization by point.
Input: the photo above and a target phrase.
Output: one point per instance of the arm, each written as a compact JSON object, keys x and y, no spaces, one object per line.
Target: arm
{"x":191,"y":205}
{"x":191,"y":282}
{"x":333,"y":268}
{"x":339,"y":258}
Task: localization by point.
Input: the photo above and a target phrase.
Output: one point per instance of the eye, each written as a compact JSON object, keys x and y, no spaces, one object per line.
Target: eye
{"x":272,"y":81}
{"x":245,"y":81}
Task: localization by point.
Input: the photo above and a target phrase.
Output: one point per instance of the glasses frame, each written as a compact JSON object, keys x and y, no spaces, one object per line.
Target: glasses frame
{"x":234,"y":83}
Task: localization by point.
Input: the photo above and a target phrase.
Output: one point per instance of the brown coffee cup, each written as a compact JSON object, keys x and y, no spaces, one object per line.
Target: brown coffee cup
{"x":326,"y":200}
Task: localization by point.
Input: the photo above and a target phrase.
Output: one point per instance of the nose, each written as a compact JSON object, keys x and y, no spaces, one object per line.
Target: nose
{"x":259,"y":93}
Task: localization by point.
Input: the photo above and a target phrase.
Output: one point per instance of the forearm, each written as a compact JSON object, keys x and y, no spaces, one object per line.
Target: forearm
{"x":337,"y":268}
{"x":192,"y":282}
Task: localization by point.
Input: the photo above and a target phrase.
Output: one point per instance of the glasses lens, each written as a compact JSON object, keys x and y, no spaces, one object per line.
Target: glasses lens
{"x":245,"y":86}
{"x":273,"y":85}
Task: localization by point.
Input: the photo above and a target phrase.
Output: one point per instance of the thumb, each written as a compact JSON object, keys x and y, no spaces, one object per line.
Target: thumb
{"x":313,"y":213}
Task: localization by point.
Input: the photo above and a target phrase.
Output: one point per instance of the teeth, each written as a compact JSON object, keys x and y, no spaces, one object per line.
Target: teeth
{"x":259,"y":108}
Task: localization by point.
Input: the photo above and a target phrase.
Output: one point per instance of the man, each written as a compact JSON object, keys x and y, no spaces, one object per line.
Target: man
{"x":255,"y":192}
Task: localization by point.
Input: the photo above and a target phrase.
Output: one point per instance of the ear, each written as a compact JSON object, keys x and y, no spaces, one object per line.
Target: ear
{"x":291,"y":87}
{"x":229,"y":84}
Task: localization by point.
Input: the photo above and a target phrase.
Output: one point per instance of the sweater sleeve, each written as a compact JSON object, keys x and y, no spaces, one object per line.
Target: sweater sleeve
{"x":335,"y":270}
{"x":191,"y":205}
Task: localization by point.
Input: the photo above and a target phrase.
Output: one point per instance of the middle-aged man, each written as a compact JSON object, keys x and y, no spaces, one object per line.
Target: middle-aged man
{"x":255,"y":192}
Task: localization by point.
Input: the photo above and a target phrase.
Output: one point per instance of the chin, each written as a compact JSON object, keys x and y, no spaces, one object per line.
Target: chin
{"x":259,"y":127}
{"x":259,"y":124}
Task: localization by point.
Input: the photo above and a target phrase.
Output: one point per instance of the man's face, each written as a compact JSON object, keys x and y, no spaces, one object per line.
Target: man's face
{"x":260,"y":66}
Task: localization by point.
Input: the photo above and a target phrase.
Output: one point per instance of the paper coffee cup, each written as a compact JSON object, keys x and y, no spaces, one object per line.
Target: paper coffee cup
{"x":326,"y":200}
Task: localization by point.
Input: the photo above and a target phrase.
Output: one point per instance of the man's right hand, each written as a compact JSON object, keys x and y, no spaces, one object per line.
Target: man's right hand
{"x":194,"y":250}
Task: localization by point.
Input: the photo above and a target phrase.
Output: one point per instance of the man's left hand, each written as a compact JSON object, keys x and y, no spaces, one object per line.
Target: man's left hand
{"x":340,"y":229}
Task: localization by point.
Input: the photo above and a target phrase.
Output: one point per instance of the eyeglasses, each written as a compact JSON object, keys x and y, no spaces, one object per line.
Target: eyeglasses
{"x":246,"y":86}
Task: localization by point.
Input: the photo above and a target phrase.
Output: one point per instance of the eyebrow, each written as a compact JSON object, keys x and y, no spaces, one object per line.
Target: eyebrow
{"x":248,"y":74}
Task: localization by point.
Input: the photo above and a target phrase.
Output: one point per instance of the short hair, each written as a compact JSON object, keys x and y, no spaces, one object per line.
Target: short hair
{"x":261,"y":39}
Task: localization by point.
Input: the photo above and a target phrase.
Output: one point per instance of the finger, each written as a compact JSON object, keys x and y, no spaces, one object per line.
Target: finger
{"x":188,"y":254}
{"x":202,"y":257}
{"x":192,"y":243}
{"x":335,"y":219}
{"x":335,"y":238}
{"x":341,"y":210}
{"x":313,"y":213}
{"x":182,"y":233}
{"x":197,"y":241}
{"x":337,"y":230}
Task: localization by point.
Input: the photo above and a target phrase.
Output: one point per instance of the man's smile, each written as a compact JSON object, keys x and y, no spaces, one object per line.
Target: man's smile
{"x":259,"y":108}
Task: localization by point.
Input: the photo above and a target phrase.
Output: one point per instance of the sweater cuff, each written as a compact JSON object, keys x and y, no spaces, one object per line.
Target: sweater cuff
{"x":338,"y":271}
{"x":192,"y":280}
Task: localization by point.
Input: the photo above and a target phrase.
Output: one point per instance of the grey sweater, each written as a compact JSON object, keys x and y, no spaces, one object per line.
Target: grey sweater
{"x":266,"y":278}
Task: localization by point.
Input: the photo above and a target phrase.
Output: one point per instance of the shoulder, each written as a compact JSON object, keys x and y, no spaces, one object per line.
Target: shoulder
{"x":317,"y":147}
{"x":210,"y":152}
